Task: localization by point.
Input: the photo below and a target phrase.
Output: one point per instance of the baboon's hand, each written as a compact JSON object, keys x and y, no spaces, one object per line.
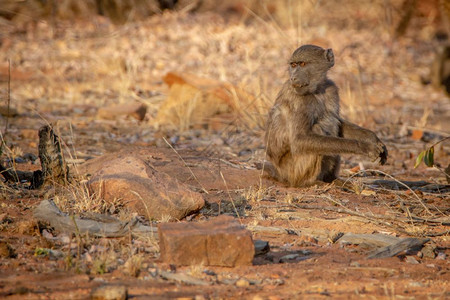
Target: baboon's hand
{"x":383,"y":154}
{"x":376,"y":151}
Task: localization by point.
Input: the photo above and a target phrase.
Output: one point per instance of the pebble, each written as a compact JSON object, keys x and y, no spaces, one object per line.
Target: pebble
{"x":355,"y":264}
{"x":288,"y":257}
{"x":411,"y":260}
{"x":441,"y":256}
{"x":242,"y":282}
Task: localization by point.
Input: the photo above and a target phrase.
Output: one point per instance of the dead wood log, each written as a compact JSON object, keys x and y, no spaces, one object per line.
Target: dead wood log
{"x":54,"y":168}
{"x":375,"y":240}
{"x":106,"y":226}
{"x":405,"y":245}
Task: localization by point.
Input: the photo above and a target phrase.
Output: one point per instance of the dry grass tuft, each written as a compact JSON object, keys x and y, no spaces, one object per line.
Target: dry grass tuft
{"x":76,"y":198}
{"x":133,"y":265}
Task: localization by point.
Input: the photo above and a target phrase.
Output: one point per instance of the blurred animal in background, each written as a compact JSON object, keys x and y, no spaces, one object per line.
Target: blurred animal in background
{"x":439,"y":76}
{"x":305,"y":133}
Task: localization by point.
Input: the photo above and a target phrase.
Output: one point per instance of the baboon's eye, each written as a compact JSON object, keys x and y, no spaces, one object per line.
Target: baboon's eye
{"x":293,"y":64}
{"x":302,"y":64}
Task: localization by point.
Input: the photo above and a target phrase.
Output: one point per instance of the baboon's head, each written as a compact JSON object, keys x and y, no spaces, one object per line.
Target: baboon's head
{"x":308,"y":68}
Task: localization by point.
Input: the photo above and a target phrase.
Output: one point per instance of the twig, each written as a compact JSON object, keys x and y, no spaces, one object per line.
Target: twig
{"x":229,"y":196}
{"x":446,"y":232}
{"x":186,"y":165}
{"x":441,"y":140}
{"x":371,"y":218}
{"x":240,"y":167}
{"x":399,"y":182}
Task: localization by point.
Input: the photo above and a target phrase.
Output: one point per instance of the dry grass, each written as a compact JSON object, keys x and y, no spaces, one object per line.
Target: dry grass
{"x":235,"y":53}
{"x":101,"y":64}
{"x":79,"y":66}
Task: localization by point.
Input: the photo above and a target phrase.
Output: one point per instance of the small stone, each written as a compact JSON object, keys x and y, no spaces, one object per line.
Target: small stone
{"x":6,"y":251}
{"x":8,"y":111}
{"x":355,"y":264}
{"x":288,"y":257}
{"x":110,"y":292}
{"x":441,"y":256}
{"x":242,"y":282}
{"x":428,"y":251}
{"x":416,"y":284}
{"x":306,"y":240}
{"x":411,"y":260}
{"x":261,"y":247}
{"x":417,"y":134}
{"x":221,"y":241}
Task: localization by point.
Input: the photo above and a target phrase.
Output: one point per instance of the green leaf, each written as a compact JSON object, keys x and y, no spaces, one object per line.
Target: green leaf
{"x":419,"y":158}
{"x":428,"y":159}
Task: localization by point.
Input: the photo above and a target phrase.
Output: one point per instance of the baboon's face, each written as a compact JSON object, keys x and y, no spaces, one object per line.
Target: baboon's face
{"x":308,"y":67}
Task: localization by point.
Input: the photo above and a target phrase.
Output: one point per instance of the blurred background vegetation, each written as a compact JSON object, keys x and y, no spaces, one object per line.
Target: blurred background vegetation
{"x":284,"y":11}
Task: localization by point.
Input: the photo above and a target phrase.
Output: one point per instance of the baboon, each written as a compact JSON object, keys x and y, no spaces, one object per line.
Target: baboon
{"x":305,"y":133}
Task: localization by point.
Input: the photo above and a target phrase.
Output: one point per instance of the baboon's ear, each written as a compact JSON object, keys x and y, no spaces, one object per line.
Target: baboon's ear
{"x":330,"y":57}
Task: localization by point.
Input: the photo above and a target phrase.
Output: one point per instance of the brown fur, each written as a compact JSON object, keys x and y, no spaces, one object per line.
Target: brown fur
{"x":305,"y":133}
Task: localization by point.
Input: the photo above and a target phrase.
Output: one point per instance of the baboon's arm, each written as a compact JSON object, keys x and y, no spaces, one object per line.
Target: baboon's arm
{"x":329,"y":145}
{"x":353,"y":131}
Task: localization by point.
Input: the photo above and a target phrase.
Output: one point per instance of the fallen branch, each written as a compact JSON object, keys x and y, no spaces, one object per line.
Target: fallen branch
{"x":107,"y":227}
{"x":405,"y":245}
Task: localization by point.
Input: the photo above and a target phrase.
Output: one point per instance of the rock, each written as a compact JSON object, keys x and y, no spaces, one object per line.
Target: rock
{"x":192,"y":100}
{"x":218,"y":242}
{"x":355,"y":264}
{"x":242,"y":282}
{"x":110,"y":292}
{"x":182,"y":278}
{"x":140,"y":187}
{"x":288,"y":257}
{"x":135,"y":109}
{"x":8,"y":112}
{"x":441,"y":256}
{"x":417,"y":135}
{"x":261,"y":247}
{"x":428,"y":251}
{"x":6,"y":251}
{"x":411,"y":260}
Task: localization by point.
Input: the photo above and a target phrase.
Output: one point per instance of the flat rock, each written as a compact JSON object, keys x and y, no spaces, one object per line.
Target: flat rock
{"x":110,"y":292}
{"x":218,"y":242}
{"x":139,"y":186}
{"x":134,"y":109}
